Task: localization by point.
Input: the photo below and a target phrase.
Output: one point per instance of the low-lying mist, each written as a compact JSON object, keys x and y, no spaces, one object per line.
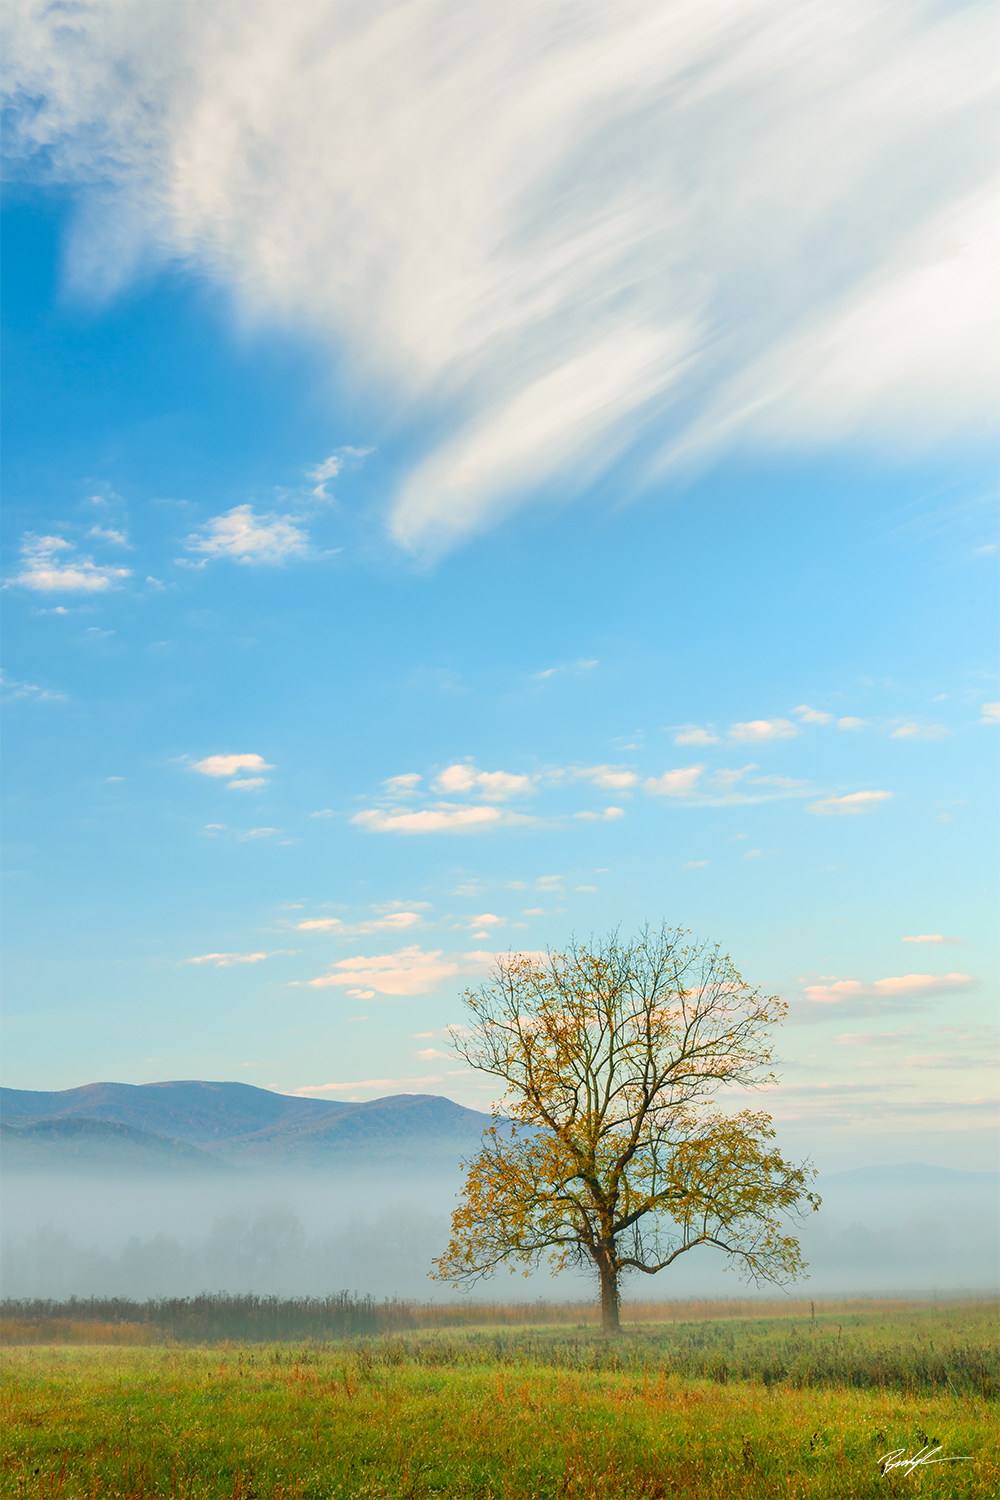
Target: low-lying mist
{"x":66,"y":1235}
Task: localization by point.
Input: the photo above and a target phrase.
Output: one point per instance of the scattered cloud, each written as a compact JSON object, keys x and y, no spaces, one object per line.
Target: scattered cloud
{"x":875,"y":1038}
{"x":533,"y":911}
{"x":324,"y":812}
{"x":990,"y":713}
{"x":30,"y":690}
{"x":109,"y":535}
{"x":444,"y":818}
{"x":756,"y":731}
{"x":854,"y":802}
{"x":228,"y":765}
{"x":486,"y":919}
{"x":402,"y":786}
{"x":247,"y":783}
{"x":692,"y":734}
{"x":678,"y":783}
{"x":245,"y":537}
{"x":931,"y":937}
{"x":902,"y":992}
{"x":427,"y":1053}
{"x":809,"y":715}
{"x":695,"y":864}
{"x":328,"y":469}
{"x":587,"y":890}
{"x":410,"y":971}
{"x":46,"y":568}
{"x":308,"y":1090}
{"x":852,"y":724}
{"x":492,"y":786}
{"x":909,"y":731}
{"x":396,"y":921}
{"x":226,"y":960}
{"x":609,"y":778}
{"x":725,"y":779}
{"x":753,"y":854}
{"x":593,"y":817}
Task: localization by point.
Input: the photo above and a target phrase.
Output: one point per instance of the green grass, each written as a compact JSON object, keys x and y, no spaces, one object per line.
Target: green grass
{"x":750,"y":1408}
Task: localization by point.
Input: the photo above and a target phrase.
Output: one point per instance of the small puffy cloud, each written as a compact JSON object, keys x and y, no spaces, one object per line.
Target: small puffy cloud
{"x":533,"y":911}
{"x":445,"y":819}
{"x":410,"y":971}
{"x":427,"y":1053}
{"x":852,"y":724}
{"x":902,"y":987}
{"x":678,"y":783}
{"x":587,"y":889}
{"x":46,"y":569}
{"x":783,"y":783}
{"x":930,"y":937}
{"x":875,"y":1038}
{"x":910,"y":731}
{"x":228,"y":765}
{"x":693,"y":734}
{"x":809,"y":715}
{"x":755,"y":731}
{"x":487,"y":919}
{"x":247,"y":783}
{"x":990,"y":713}
{"x":695,"y":864}
{"x":492,"y":786}
{"x":245,"y":537}
{"x":402,"y":786}
{"x":593,"y":817}
{"x":226,"y":960}
{"x":324,"y":812}
{"x":320,"y":924}
{"x":753,"y":854}
{"x":549,"y":883}
{"x":854,"y":802}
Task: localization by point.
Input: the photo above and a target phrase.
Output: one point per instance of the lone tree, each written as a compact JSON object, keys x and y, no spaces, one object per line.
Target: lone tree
{"x":606,"y":1152}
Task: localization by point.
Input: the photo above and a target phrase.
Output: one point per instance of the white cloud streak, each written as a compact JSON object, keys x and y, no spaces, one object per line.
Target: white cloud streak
{"x":553,"y":231}
{"x":849,"y":805}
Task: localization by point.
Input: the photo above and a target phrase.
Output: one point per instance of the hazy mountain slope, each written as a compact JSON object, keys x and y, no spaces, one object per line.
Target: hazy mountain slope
{"x":98,"y":1145}
{"x":252,"y":1127}
{"x":193,"y":1111}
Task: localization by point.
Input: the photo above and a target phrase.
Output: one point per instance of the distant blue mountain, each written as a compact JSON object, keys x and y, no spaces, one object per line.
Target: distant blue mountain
{"x":914,"y":1174}
{"x":250,"y":1127}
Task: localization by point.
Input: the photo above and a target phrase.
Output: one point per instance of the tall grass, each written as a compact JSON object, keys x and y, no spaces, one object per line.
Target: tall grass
{"x":209,"y":1318}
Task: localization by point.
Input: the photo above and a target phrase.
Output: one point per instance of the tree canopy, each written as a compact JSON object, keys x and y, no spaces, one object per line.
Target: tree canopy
{"x":607,"y":1150}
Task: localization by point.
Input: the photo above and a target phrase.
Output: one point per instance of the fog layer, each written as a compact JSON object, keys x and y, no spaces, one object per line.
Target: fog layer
{"x":880,"y":1230}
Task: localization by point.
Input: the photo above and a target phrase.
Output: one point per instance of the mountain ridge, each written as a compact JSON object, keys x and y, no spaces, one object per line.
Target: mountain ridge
{"x":241,"y":1125}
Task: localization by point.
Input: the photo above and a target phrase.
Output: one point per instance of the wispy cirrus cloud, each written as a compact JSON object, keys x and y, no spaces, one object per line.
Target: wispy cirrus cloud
{"x":49,"y":565}
{"x":442,"y":818}
{"x":227,"y":960}
{"x":549,"y":332}
{"x":849,"y":805}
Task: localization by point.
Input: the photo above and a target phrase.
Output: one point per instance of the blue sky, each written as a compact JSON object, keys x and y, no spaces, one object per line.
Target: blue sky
{"x":548,"y":487}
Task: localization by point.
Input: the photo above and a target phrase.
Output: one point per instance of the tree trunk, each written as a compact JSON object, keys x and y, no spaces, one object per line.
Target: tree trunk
{"x":609,"y":1294}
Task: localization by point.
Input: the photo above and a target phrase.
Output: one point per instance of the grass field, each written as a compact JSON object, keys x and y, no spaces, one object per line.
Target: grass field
{"x":741,"y":1407}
